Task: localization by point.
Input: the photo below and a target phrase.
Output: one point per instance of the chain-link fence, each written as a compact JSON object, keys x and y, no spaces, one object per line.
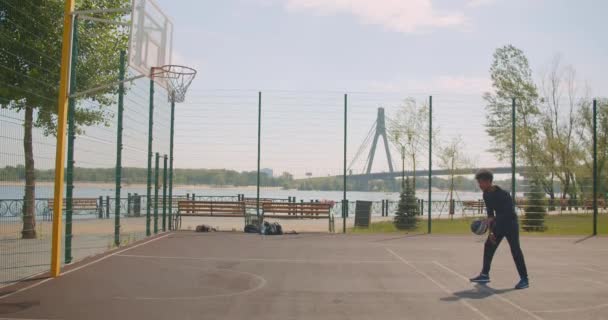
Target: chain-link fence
{"x":105,"y":202}
{"x":391,"y":142}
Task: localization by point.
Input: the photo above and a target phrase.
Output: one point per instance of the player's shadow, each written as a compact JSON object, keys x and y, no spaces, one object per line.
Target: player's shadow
{"x":480,"y":291}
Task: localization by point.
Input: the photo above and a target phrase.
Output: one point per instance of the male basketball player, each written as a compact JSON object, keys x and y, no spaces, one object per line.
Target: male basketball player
{"x":502,"y":224}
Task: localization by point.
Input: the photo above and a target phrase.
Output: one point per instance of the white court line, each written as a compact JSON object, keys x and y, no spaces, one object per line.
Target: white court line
{"x":21,"y":280}
{"x":260,"y":259}
{"x":489,"y":290}
{"x":593,"y":270}
{"x":85,"y":265}
{"x":442,"y":287}
{"x":540,"y":238}
{"x":574,"y":309}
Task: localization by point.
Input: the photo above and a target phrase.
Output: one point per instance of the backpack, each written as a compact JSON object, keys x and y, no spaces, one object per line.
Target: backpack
{"x":271,"y":228}
{"x":252,"y":228}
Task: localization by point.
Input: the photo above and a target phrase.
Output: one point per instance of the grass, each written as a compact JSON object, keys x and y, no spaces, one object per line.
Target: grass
{"x":557,"y":225}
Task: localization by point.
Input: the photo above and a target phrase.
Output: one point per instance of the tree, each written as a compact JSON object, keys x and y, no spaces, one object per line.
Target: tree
{"x":535,"y":208}
{"x":31,"y":35}
{"x":408,"y":130}
{"x":408,"y":210}
{"x":561,"y":153}
{"x":452,"y":158}
{"x":511,"y":79}
{"x":584,"y":131}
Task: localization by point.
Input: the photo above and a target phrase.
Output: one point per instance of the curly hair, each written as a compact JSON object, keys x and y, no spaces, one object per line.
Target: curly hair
{"x":484,"y":174}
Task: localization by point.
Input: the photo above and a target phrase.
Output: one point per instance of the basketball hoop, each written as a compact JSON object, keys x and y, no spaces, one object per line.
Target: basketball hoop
{"x":177,"y":79}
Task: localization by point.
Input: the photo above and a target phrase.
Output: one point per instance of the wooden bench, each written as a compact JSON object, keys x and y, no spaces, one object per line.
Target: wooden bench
{"x":476,"y":206}
{"x":78,"y":204}
{"x":253,"y":203}
{"x":601,"y":204}
{"x":194,"y":208}
{"x":301,"y":210}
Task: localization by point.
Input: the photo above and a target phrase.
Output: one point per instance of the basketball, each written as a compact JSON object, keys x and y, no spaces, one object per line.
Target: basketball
{"x":479,"y":227}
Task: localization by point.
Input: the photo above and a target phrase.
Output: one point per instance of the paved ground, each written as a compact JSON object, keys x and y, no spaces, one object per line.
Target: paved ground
{"x":21,"y":258}
{"x":186,"y":275}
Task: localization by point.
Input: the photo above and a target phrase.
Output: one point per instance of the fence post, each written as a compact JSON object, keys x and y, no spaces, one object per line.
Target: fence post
{"x":150,"y":138}
{"x":595,"y":177}
{"x":100,"y":210}
{"x":69,"y":193}
{"x":344,"y":201}
{"x":165,"y":193}
{"x":172,"y":134}
{"x":121,"y":96}
{"x":137,"y":205}
{"x":129,"y":204}
{"x":430,"y":162}
{"x":513,"y":152}
{"x":257,"y":205}
{"x":156,"y":193}
{"x":422,"y":207}
{"x":107,"y":207}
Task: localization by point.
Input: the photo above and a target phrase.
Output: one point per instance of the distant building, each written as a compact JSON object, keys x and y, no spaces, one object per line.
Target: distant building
{"x":267,"y":171}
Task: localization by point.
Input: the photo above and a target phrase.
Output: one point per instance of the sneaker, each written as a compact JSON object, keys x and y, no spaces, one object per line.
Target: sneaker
{"x":482,"y":278}
{"x":522,"y":284}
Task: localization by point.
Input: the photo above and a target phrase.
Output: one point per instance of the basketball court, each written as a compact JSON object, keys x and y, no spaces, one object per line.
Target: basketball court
{"x":230,"y":275}
{"x":187,"y":275}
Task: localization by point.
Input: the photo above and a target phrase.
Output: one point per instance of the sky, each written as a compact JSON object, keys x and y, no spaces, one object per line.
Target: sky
{"x":381,"y":45}
{"x":305,"y":54}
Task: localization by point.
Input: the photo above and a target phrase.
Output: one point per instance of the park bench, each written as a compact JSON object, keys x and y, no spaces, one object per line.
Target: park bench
{"x":298,"y":210}
{"x":78,"y":204}
{"x":477,"y":206}
{"x":601,"y":204}
{"x":194,"y":208}
{"x":252,"y":202}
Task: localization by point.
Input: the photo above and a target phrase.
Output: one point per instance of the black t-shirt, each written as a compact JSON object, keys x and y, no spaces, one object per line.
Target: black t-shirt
{"x":499,"y":204}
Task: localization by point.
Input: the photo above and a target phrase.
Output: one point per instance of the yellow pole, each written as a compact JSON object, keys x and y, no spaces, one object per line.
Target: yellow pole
{"x":66,"y":52}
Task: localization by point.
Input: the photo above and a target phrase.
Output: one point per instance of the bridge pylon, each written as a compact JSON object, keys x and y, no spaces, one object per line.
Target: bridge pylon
{"x":380,"y":132}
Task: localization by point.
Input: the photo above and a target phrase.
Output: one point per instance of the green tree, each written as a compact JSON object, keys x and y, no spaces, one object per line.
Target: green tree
{"x":535,"y":208}
{"x":511,"y":79}
{"x":452,"y":158}
{"x":31,"y":35}
{"x":408,"y":130}
{"x":560,"y":152}
{"x":407,"y":210}
{"x":584,"y":130}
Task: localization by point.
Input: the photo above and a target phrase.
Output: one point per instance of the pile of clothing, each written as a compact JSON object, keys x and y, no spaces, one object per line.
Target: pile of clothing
{"x":267,"y":228}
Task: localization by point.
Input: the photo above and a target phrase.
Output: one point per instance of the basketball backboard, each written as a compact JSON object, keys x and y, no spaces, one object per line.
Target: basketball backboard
{"x":151,"y":38}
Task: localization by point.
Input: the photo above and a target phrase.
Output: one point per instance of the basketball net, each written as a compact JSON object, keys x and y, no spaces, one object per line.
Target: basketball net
{"x":177,"y":78}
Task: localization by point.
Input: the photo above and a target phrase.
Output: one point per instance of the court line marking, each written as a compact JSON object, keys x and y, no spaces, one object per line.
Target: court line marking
{"x":442,"y":287}
{"x":83,"y":266}
{"x":489,"y":290}
{"x":261,"y":259}
{"x":594,"y":270}
{"x":21,"y":280}
{"x":261,"y":284}
{"x":541,"y":238}
{"x":600,"y":306}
